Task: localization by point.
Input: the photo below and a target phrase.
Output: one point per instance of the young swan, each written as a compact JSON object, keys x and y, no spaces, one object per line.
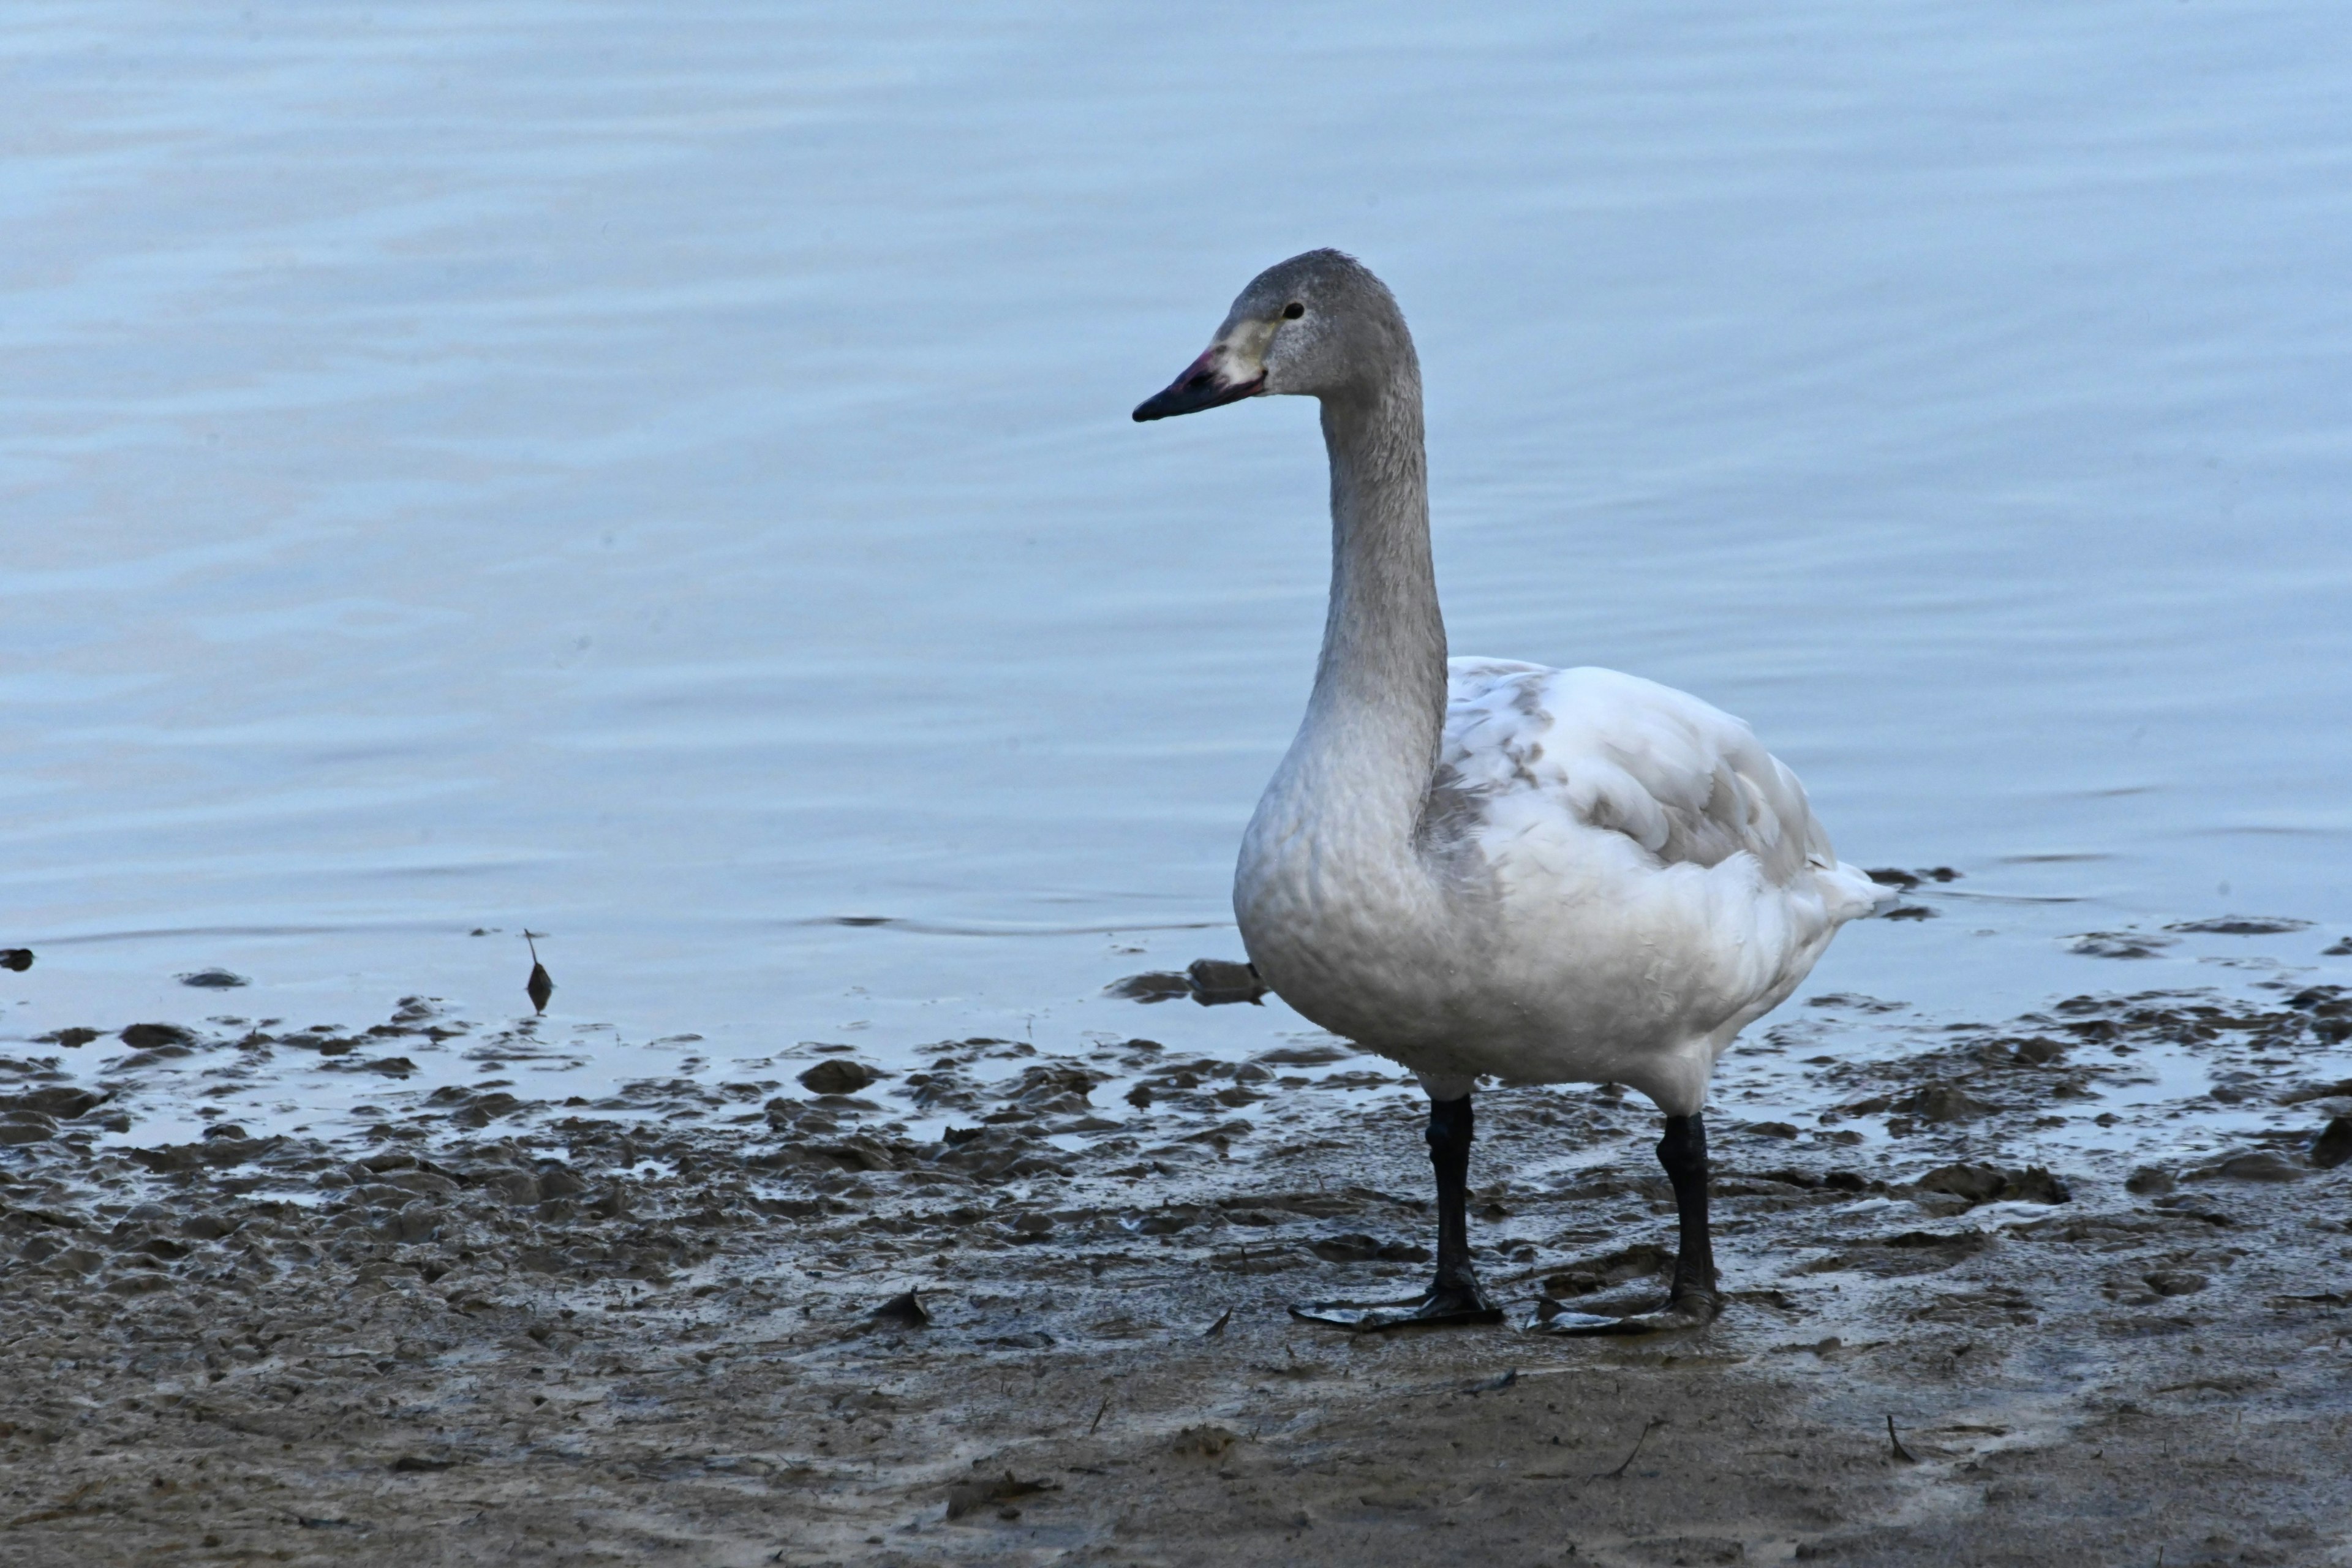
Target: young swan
{"x":1476,"y":867}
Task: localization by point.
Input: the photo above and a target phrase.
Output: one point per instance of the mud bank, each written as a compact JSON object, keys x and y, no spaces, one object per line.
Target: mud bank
{"x":674,"y":1327}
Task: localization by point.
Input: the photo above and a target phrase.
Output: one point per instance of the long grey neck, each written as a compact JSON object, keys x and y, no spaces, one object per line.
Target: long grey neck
{"x":1378,"y":705}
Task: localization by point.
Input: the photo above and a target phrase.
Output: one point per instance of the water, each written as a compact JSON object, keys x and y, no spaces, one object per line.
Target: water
{"x":659,"y":476}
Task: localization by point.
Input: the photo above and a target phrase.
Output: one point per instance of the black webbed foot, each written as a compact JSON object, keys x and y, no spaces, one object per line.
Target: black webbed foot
{"x":1693,"y":1310}
{"x":1432,"y":1308}
{"x":1693,"y":1303}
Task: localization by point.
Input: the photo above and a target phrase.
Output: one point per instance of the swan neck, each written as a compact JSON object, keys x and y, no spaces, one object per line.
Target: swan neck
{"x":1380,"y":684}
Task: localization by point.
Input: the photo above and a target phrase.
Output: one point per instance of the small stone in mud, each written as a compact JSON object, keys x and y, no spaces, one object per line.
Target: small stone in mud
{"x":2175,"y":1282}
{"x":1986,"y":1183}
{"x":1215,"y":981}
{"x":72,"y":1039}
{"x":2119,"y":944}
{"x":2035,"y":1185}
{"x":1941,"y":1102}
{"x":1158,"y":985}
{"x":969,"y":1496}
{"x":155,"y":1037}
{"x":2260,"y":1165}
{"x":2340,"y":948}
{"x":19,"y":959}
{"x":1910,"y":912}
{"x":2150,"y":1180}
{"x":2239,"y":925}
{"x":1977,"y":1183}
{"x":2334,"y":1144}
{"x":60,"y":1100}
{"x":837,"y":1077}
{"x":213,"y":980}
{"x":904,"y":1310}
{"x":26,"y":1127}
{"x":1205,"y":1442}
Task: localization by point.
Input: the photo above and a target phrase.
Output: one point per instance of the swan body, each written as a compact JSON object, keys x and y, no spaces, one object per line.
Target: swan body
{"x":1606,"y":881}
{"x":1483,"y":868}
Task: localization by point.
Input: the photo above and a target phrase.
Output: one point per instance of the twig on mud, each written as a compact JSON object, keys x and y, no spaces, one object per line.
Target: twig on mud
{"x":1902,"y":1453}
{"x":1219,"y":1326}
{"x":1656,"y":1422}
{"x":1099,"y":1416}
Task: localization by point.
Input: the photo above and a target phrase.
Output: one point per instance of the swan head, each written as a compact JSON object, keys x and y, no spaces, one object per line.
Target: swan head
{"x":1317,"y":325}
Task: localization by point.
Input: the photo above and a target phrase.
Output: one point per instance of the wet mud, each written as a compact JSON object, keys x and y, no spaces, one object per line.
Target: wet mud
{"x":2013,"y":1295}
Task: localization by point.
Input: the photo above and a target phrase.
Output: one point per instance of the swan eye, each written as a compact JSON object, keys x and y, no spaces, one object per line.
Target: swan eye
{"x":1293,"y":310}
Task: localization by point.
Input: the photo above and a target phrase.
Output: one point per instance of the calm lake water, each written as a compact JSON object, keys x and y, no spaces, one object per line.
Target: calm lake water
{"x":660,"y":476}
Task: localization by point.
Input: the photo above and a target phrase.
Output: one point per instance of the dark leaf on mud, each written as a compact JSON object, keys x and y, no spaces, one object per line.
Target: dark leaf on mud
{"x":540,"y":985}
{"x":213,"y":980}
{"x":2334,"y":1144}
{"x":838,"y":1076}
{"x":968,"y":1496}
{"x":1158,"y":985}
{"x":1219,"y":1326}
{"x":1909,"y":912}
{"x":2239,"y":925}
{"x":415,"y":1465}
{"x":904,"y":1310}
{"x":1217,"y":981}
{"x":19,"y":959}
{"x":1891,"y":877}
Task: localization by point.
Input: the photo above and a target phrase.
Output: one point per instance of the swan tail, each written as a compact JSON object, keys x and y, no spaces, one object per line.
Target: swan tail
{"x":1850,"y":893}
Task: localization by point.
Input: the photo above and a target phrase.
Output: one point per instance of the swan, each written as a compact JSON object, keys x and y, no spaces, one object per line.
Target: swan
{"x":1476,"y":867}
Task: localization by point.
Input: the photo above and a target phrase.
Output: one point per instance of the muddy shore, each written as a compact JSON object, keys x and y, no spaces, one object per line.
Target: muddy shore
{"x":676,"y":1326}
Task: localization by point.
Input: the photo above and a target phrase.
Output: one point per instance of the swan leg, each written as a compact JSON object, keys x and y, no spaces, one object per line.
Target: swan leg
{"x":1692,"y":1302}
{"x":1454,"y":1297}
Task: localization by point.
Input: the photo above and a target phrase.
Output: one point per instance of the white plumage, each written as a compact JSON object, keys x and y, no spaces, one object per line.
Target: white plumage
{"x":1478,"y":867}
{"x":1616,"y":877}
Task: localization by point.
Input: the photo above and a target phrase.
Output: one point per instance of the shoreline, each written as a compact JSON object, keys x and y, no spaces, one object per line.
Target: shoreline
{"x":472,"y":1336}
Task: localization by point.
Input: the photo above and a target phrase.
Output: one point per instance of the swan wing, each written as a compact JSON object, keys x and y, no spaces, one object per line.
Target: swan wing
{"x":1684,"y":781}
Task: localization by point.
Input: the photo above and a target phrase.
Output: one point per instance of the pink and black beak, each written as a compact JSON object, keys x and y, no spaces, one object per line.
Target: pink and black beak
{"x":1207,"y":382}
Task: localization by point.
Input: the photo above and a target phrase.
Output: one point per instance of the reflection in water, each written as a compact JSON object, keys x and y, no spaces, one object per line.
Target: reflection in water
{"x":661,"y":478}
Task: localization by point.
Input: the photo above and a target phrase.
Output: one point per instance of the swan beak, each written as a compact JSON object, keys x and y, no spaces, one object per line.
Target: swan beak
{"x":1207,"y":382}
